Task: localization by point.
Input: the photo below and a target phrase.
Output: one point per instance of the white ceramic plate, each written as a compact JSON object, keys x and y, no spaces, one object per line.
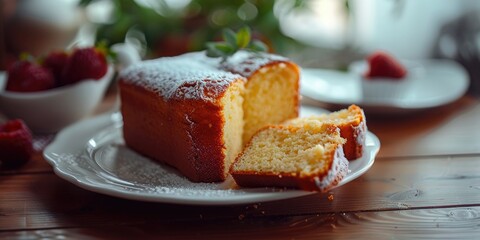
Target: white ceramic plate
{"x":432,"y":83}
{"x":92,"y":155}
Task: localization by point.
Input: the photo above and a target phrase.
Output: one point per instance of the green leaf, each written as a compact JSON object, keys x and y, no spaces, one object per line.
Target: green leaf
{"x":225,"y":48}
{"x":230,"y":37}
{"x":258,"y":46}
{"x":234,"y":42}
{"x":219,"y":49}
{"x":212,"y":51}
{"x":243,"y":37}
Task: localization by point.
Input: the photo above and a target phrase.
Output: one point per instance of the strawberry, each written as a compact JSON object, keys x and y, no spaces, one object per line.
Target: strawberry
{"x":85,"y":63}
{"x":27,"y":76}
{"x":382,"y":64}
{"x":16,"y":145}
{"x":56,"y":62}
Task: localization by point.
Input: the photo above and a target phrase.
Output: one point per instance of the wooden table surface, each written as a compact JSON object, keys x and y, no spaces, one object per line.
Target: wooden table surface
{"x":425,"y":183}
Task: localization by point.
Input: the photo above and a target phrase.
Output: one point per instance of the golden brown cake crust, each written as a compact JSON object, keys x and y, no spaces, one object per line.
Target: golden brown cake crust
{"x":355,"y":133}
{"x":169,"y":132}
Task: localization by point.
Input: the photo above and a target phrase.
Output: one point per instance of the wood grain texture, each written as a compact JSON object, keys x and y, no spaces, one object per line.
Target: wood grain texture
{"x":46,"y":201}
{"x":437,"y":223}
{"x":445,"y":130}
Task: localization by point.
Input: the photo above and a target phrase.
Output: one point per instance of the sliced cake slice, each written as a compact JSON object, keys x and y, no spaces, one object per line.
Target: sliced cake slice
{"x":309,"y":157}
{"x":352,"y":124}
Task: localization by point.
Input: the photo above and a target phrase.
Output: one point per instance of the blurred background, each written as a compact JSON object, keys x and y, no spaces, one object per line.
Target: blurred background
{"x":314,"y":33}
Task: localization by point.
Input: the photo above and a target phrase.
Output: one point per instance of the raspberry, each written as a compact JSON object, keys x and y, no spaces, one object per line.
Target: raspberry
{"x":16,"y":146}
{"x":383,"y":65}
{"x":26,"y":76}
{"x":85,"y":63}
{"x":56,"y":62}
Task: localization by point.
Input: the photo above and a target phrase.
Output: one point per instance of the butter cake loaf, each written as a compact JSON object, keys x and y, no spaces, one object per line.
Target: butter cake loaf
{"x":195,"y":113}
{"x":308,"y":157}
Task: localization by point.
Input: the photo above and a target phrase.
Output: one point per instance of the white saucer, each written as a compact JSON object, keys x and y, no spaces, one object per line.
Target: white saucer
{"x":91,"y":154}
{"x":433,"y":83}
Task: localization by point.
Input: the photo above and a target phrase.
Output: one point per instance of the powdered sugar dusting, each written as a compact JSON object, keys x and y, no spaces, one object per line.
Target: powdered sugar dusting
{"x":194,"y":75}
{"x":130,"y":174}
{"x":361,"y":132}
{"x":187,"y":76}
{"x":155,"y":178}
{"x":246,"y":63}
{"x":336,"y":173}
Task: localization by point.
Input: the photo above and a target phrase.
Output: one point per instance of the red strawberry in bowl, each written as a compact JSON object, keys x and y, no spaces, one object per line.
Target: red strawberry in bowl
{"x":383,"y":65}
{"x":55,"y":108}
{"x":85,"y":63}
{"x":16,"y":145}
{"x":27,"y":76}
{"x":56,"y":62}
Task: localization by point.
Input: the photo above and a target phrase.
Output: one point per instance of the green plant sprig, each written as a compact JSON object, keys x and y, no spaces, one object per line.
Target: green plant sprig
{"x":234,"y":41}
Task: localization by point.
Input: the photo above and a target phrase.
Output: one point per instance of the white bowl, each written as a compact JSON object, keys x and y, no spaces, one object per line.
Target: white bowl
{"x":50,"y":111}
{"x":384,"y":89}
